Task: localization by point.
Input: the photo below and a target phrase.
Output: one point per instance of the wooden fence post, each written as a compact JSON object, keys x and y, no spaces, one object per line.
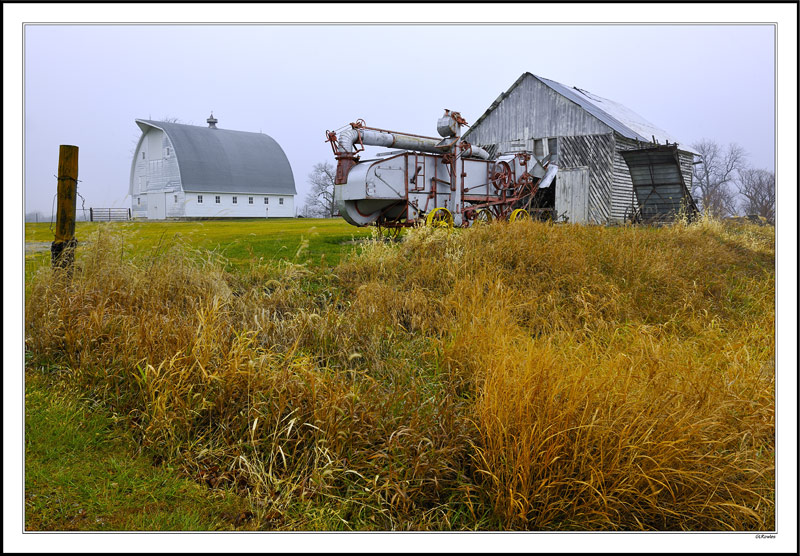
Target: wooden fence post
{"x":62,"y":250}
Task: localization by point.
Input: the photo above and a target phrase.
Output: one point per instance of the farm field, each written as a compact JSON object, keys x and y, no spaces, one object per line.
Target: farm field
{"x":239,"y":242}
{"x":522,"y":376}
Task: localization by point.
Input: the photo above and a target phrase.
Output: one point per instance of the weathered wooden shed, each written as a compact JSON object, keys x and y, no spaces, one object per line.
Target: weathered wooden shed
{"x":590,"y":137}
{"x":187,"y":171}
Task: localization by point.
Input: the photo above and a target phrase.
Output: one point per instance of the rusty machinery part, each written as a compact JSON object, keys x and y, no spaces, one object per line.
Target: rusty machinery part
{"x":358,"y":124}
{"x":517,"y":215}
{"x":338,"y":151}
{"x":470,"y":150}
{"x":346,"y":161}
{"x":502,"y":176}
{"x":457,"y":117}
{"x":439,"y":217}
{"x":331,"y":138}
{"x":527,"y":185}
{"x":388,"y":233}
{"x":448,"y":158}
{"x":523,"y":158}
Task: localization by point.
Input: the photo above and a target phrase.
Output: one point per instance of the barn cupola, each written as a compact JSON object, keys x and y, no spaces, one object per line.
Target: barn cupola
{"x":212,"y":121}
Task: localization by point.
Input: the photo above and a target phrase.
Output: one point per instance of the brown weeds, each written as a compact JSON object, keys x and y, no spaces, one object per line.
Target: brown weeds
{"x":523,"y":376}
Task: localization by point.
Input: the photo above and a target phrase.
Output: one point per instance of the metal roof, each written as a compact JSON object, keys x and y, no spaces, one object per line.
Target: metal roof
{"x":621,"y":119}
{"x":222,"y":160}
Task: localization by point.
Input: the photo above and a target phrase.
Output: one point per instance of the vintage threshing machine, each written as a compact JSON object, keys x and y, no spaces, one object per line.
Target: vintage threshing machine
{"x":443,"y":182}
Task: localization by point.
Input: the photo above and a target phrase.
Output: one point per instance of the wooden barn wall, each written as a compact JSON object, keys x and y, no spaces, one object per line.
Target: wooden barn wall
{"x":597,"y":153}
{"x":622,"y":187}
{"x":534,"y":110}
{"x":157,"y":172}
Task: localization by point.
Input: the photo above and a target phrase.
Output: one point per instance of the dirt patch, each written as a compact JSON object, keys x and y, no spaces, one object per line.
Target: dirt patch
{"x":36,"y":247}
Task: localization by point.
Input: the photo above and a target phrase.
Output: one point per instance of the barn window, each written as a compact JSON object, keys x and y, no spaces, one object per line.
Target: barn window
{"x":167,"y":151}
{"x":266,"y":200}
{"x":235,"y":199}
{"x":217,"y":199}
{"x":552,"y":146}
{"x":138,"y":201}
{"x":250,"y":200}
{"x":176,"y":198}
{"x":142,"y":155}
{"x":280,"y":201}
{"x":199,"y":198}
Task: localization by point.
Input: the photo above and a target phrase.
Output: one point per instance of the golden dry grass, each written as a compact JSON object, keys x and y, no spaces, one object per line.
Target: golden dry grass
{"x":512,"y":376}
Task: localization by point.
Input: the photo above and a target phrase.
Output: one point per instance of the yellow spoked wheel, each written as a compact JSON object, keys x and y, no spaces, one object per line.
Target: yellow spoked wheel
{"x":483,"y":216}
{"x":439,"y":217}
{"x":519,"y":214}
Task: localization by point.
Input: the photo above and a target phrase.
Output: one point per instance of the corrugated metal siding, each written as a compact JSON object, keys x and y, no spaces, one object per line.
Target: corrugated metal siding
{"x":533,"y":110}
{"x":621,"y":185}
{"x":686,"y":168}
{"x":595,"y":152}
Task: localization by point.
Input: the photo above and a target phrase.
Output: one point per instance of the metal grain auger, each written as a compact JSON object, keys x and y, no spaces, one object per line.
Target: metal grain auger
{"x":443,"y":182}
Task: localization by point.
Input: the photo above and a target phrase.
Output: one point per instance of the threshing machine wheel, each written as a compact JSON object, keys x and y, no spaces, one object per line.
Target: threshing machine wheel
{"x":483,"y":216}
{"x":439,"y":217}
{"x":518,"y":215}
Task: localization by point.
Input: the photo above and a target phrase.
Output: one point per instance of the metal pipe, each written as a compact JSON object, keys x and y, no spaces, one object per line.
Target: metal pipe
{"x":348,"y":138}
{"x":475,"y":152}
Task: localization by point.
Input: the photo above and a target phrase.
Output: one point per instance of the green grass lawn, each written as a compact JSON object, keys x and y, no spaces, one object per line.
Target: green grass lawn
{"x":301,"y":240}
{"x":83,"y":473}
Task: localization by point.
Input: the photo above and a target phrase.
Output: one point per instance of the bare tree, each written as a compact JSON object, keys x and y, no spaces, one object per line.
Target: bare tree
{"x":713,"y":176}
{"x":319,"y":201}
{"x":757,"y":187}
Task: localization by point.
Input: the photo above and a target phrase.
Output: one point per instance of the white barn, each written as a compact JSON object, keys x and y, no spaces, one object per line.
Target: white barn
{"x":187,"y":171}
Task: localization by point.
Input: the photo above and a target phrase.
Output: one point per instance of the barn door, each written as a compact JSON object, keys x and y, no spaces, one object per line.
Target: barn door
{"x":156,"y":206}
{"x":572,"y":194}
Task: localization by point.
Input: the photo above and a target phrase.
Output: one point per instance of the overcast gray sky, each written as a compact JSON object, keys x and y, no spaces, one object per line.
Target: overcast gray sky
{"x":85,"y":84}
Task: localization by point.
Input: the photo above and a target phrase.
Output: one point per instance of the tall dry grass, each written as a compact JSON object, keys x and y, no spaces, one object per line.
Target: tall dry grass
{"x":523,"y":376}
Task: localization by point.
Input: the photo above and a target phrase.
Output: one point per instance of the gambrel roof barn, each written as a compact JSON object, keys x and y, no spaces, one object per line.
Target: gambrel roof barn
{"x":181,"y":171}
{"x":613,"y":164}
